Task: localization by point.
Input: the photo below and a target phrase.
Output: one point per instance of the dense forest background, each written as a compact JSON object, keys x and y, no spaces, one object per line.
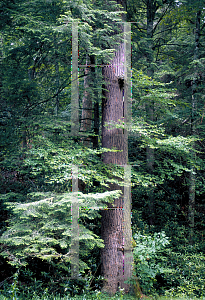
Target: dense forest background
{"x":38,"y":153}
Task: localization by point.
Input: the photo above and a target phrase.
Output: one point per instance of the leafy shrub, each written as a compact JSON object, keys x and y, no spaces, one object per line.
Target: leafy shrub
{"x":187,"y":275}
{"x":146,"y":251}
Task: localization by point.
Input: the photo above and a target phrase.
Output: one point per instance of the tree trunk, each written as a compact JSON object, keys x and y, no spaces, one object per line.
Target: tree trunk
{"x":86,"y":119}
{"x":96,"y":104}
{"x":112,"y":227}
{"x":57,"y":76}
{"x":151,"y":9}
{"x":90,"y":105}
{"x":192,"y":179}
{"x":112,"y":219}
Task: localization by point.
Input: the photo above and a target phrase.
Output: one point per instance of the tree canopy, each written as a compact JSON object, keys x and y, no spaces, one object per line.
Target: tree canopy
{"x":165,"y":139}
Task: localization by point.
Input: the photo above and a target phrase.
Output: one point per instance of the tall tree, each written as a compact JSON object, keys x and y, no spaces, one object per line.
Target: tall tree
{"x":113,"y":111}
{"x":151,"y":10}
{"x":192,"y":179}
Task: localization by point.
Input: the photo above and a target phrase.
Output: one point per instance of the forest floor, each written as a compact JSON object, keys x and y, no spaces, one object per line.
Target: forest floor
{"x":95,"y":296}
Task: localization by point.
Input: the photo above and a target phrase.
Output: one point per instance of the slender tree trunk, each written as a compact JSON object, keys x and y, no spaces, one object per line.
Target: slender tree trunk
{"x":57,"y":76}
{"x":90,"y":104}
{"x":86,"y":120}
{"x":112,"y":255}
{"x":57,"y":86}
{"x":25,"y":138}
{"x":151,"y":9}
{"x":192,"y":176}
{"x":87,"y":110}
{"x":96,"y":104}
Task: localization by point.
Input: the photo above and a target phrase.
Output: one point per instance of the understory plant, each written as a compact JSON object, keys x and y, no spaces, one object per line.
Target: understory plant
{"x":146,"y":252}
{"x":166,"y":270}
{"x":187,"y":275}
{"x":42,"y":229}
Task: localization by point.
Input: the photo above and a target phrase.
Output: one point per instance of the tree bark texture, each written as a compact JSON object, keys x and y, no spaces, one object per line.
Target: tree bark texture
{"x":115,"y":233}
{"x":112,"y":219}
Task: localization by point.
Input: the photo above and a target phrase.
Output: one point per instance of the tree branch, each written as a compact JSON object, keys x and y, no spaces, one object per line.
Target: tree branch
{"x":50,"y":98}
{"x":162,"y":16}
{"x":169,"y":28}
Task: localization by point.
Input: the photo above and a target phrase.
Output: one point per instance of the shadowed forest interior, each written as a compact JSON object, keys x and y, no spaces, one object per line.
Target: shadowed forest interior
{"x":102,"y":151}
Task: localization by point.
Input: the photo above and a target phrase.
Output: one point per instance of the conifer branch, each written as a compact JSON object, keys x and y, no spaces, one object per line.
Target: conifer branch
{"x":32,"y":106}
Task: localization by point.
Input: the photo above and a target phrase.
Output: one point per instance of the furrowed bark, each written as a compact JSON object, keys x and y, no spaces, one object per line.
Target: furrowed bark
{"x":116,"y":236}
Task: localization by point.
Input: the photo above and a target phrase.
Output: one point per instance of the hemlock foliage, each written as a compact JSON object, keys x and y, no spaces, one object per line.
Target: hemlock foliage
{"x":37,"y":151}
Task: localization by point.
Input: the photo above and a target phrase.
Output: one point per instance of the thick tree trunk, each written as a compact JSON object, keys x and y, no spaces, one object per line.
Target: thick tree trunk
{"x":112,"y":227}
{"x":112,"y":219}
{"x":192,"y":175}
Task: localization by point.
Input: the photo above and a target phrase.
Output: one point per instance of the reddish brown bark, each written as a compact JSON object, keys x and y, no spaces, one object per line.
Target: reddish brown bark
{"x":112,"y":219}
{"x":113,"y":110}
